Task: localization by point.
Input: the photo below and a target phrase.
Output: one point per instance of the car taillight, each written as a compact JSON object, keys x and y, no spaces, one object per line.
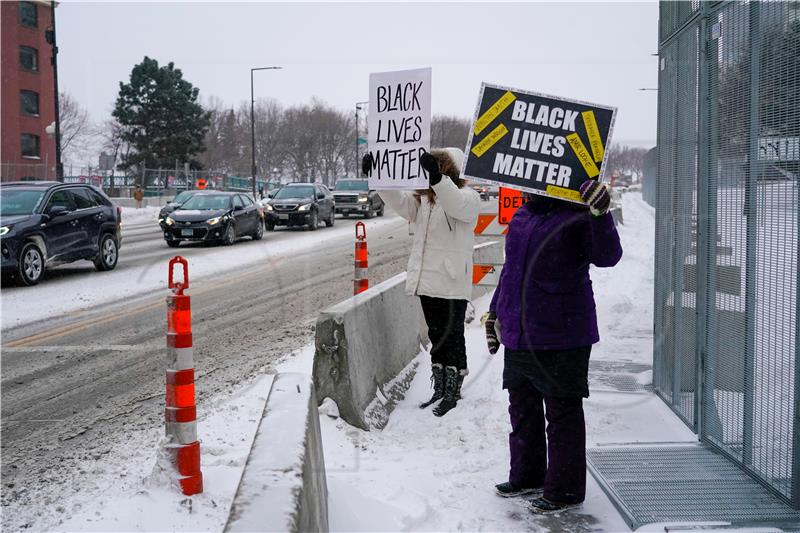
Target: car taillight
{"x":119,"y":217}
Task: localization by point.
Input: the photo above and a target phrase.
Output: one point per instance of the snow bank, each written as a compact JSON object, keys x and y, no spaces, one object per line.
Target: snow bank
{"x":132,"y":216}
{"x":128,"y":497}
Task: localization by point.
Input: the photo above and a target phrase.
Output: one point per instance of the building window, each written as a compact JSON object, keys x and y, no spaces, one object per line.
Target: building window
{"x":30,"y":145}
{"x":27,"y":14}
{"x":30,"y":103}
{"x":28,"y":58}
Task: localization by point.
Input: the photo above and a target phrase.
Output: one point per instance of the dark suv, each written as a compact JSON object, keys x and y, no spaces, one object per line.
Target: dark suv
{"x":43,"y":224}
{"x":300,"y":204}
{"x":354,"y":197}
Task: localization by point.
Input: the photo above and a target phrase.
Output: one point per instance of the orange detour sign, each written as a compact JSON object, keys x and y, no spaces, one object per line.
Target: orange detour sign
{"x":181,"y":412}
{"x":509,"y":201}
{"x":360,"y":279}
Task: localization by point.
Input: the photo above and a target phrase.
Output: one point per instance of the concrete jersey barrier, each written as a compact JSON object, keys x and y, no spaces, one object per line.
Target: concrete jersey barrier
{"x":364,"y":346}
{"x":283,"y":486}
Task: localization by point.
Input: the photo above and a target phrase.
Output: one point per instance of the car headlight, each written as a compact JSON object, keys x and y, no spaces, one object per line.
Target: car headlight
{"x":4,"y":230}
{"x":363,"y":199}
{"x":213,"y":221}
{"x":268,"y":207}
{"x":305,"y":207}
{"x":169,"y":221}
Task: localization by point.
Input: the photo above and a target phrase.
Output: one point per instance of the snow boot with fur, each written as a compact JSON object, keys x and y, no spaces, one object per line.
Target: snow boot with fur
{"x":437,"y":380}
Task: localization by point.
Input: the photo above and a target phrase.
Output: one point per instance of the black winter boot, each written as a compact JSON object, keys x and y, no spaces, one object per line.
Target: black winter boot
{"x":452,"y":391}
{"x":437,"y":379}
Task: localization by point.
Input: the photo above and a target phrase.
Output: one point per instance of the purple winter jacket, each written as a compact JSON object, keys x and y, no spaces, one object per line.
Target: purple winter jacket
{"x":544,"y":299}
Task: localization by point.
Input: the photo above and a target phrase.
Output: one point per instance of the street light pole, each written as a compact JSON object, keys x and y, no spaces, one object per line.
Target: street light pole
{"x":358,"y":108}
{"x":253,"y":128}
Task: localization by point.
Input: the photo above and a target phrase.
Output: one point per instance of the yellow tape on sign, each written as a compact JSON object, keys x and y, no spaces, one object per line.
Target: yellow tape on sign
{"x":561,"y":192}
{"x":596,"y":143}
{"x":583,"y":155}
{"x":488,"y":141}
{"x":496,"y":108}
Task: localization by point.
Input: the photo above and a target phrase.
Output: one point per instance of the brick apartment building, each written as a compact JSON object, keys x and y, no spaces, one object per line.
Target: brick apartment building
{"x":27,"y":95}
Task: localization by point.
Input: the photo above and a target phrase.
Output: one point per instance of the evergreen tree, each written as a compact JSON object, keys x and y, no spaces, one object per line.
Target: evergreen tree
{"x":163,"y":122}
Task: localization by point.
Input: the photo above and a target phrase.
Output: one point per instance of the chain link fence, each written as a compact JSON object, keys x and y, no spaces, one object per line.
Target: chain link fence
{"x":726,"y":296}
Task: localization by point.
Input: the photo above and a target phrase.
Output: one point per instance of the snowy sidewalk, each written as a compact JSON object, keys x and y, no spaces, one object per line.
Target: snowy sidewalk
{"x":425,"y":473}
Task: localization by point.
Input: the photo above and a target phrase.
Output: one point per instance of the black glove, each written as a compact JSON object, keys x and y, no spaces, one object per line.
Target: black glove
{"x":366,"y":164}
{"x":489,"y":322}
{"x":431,"y":166}
{"x":596,"y":195}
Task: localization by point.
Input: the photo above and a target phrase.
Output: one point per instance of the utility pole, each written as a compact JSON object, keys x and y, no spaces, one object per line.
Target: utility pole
{"x":50,"y":37}
{"x":253,"y":128}
{"x":358,"y":138}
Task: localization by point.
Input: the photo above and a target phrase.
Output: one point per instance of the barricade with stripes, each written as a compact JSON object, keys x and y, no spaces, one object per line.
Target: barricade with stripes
{"x":360,"y":275}
{"x":181,"y":410}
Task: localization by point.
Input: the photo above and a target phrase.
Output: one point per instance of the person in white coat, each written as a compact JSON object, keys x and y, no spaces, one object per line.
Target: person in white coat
{"x":440,"y":264}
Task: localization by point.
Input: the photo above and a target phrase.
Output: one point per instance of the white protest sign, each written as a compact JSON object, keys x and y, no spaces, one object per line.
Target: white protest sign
{"x":399,"y":128}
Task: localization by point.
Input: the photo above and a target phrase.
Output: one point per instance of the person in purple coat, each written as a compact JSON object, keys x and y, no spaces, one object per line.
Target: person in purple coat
{"x":543,"y":312}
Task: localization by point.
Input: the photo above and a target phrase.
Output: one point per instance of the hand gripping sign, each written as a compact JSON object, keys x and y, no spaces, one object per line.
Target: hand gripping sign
{"x":399,"y":128}
{"x":537,"y":143}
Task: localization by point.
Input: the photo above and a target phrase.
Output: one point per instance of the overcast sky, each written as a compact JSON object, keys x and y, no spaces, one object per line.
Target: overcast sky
{"x":594,"y":51}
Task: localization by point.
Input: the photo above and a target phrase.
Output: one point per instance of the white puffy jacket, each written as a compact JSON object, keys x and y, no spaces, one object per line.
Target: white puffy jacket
{"x":440,"y":264}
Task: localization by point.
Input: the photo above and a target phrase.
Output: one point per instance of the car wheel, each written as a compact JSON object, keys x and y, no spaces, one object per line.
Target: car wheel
{"x":259,"y":232}
{"x":380,"y":211}
{"x":331,"y":219}
{"x":173,"y":244}
{"x":30,"y":266}
{"x":313,"y":222}
{"x":109,"y":253}
{"x":270,"y":226}
{"x":230,"y":235}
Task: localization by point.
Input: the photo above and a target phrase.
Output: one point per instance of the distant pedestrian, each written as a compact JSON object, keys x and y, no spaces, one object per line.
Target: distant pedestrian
{"x":543,"y":312}
{"x":138,"y":195}
{"x":440,"y":264}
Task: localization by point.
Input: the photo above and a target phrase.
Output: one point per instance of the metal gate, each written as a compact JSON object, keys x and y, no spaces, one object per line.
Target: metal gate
{"x":727,"y":254}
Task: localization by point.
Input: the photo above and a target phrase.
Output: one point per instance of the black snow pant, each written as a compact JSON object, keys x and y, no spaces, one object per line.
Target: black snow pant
{"x":548,"y":385}
{"x":445,"y":320}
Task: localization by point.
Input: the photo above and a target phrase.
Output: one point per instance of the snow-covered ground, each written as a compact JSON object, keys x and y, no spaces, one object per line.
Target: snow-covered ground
{"x":132,"y":216}
{"x":419,"y":473}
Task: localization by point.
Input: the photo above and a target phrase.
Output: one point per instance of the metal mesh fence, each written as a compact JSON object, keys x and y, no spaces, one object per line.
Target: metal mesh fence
{"x":726,"y":297}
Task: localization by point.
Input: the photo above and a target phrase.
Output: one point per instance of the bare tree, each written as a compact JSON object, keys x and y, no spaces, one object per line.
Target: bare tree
{"x":449,"y":131}
{"x":626,"y":160}
{"x":76,"y":128}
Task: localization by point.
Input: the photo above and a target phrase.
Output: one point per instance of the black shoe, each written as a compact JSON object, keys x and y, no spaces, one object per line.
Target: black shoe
{"x":452,"y":391}
{"x":507,"y":490}
{"x":437,"y":379}
{"x":543,"y":506}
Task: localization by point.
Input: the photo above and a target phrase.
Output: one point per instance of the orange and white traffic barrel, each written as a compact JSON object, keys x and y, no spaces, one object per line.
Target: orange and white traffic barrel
{"x":360,"y":279}
{"x":181,"y":410}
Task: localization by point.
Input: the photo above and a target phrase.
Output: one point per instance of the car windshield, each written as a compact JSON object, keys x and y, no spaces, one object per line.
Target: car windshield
{"x":19,"y":201}
{"x":300,"y":191}
{"x":208,"y":202}
{"x":352,"y":185}
{"x":182,"y":197}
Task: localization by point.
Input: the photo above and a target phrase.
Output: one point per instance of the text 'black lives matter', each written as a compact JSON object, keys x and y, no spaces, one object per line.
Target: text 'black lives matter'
{"x":399,"y":128}
{"x":537,"y":143}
